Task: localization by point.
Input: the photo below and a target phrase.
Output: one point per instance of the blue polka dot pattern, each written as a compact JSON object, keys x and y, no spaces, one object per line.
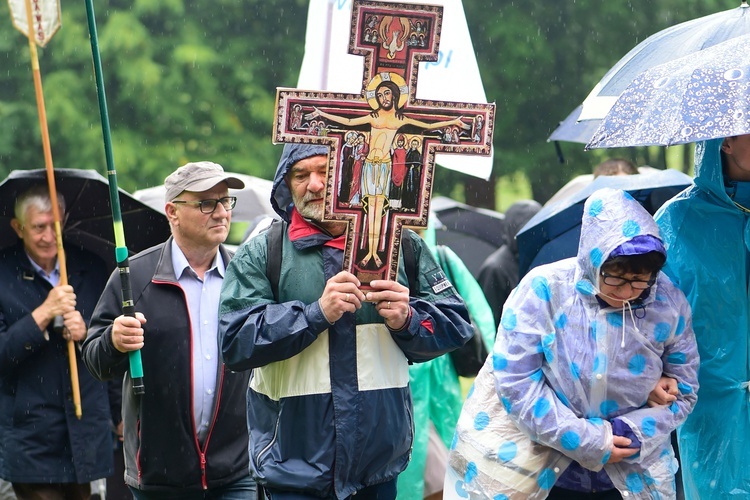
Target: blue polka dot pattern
{"x":585,"y":287}
{"x":606,"y":456}
{"x":541,"y":288}
{"x":680,"y":326}
{"x":684,"y":388}
{"x":500,"y":496}
{"x":563,"y":398}
{"x":600,"y":363}
{"x":506,"y":404}
{"x":455,"y":441}
{"x":481,"y":420}
{"x":471,"y":392}
{"x":547,"y":342}
{"x":661,"y":332}
{"x":575,"y":370}
{"x":628,"y":196}
{"x":570,"y":440}
{"x":615,"y":319}
{"x":634,"y":483}
{"x":648,"y":425}
{"x":561,"y":321}
{"x":460,"y":491}
{"x":596,"y":255}
{"x":541,"y":407}
{"x":596,"y":421}
{"x":630,"y":228}
{"x":499,"y":361}
{"x":546,"y":479}
{"x":676,"y":358}
{"x":674,"y":408}
{"x":509,"y":319}
{"x":471,"y":472}
{"x":507,"y":451}
{"x":608,"y":407}
{"x":637,"y":364}
{"x":596,"y":207}
{"x":537,"y":376}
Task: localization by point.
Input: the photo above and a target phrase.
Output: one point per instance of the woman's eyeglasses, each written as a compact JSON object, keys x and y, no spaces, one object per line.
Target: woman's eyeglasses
{"x":611,"y":280}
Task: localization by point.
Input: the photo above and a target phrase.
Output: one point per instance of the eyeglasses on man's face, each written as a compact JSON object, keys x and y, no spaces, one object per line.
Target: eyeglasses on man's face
{"x":209,"y":206}
{"x":612,"y":280}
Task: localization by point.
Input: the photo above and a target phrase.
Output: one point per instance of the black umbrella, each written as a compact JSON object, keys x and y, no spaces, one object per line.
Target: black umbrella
{"x":553,"y":233}
{"x":472,"y":233}
{"x":89,"y":217}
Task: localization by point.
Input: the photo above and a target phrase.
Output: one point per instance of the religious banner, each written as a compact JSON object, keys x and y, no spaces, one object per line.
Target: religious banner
{"x":383,"y":141}
{"x":45,"y":15}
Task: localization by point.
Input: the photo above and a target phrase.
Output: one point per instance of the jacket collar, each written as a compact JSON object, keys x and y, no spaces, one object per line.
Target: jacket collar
{"x":165,"y":271}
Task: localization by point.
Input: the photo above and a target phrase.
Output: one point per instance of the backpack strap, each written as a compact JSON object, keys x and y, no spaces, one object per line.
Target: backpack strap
{"x":274,"y":250}
{"x":410,"y":261}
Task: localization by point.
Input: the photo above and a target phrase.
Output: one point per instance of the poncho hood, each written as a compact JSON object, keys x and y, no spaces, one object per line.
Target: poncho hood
{"x":281,"y":197}
{"x":611,"y":217}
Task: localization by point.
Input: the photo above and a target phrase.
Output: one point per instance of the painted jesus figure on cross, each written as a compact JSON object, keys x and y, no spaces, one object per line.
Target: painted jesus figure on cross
{"x":368,"y":134}
{"x":385,"y":121}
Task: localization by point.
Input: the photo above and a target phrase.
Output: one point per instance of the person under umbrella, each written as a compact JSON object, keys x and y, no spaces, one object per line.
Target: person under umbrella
{"x":560,"y":408}
{"x":499,"y":273}
{"x":705,"y":230}
{"x":47,"y":452}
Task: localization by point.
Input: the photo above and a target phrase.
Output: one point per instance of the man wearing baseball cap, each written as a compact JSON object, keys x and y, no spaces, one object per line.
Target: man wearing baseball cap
{"x":186,"y":436}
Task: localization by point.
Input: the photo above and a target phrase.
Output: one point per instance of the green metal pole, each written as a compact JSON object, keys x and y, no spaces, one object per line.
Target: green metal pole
{"x":121,"y":250}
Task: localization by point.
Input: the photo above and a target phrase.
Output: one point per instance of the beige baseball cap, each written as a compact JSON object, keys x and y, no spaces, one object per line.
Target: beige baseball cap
{"x":197,"y":177}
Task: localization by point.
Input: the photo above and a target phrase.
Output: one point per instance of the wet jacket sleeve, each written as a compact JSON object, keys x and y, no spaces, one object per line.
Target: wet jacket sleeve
{"x":518,"y":358}
{"x":440,"y":320}
{"x":680,"y":361}
{"x":254,"y":330}
{"x":99,"y":353}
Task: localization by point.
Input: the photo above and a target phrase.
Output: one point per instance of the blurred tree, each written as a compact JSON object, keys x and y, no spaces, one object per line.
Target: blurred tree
{"x":189,"y":80}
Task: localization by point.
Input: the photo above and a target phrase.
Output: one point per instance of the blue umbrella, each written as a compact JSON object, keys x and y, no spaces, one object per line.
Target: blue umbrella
{"x":694,"y":98}
{"x":666,"y":45}
{"x":553,"y":233}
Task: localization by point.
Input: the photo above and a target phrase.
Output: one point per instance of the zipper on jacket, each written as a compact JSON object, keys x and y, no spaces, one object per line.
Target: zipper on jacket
{"x":204,"y":480}
{"x":272,"y":442}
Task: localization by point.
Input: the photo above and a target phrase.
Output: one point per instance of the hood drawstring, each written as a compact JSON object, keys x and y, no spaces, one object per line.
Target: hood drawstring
{"x":632,"y":316}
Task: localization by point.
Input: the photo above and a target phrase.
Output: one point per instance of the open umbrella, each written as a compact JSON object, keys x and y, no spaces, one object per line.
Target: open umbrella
{"x":89,"y":219}
{"x":253,"y":200}
{"x":472,"y":233}
{"x":553,"y":233}
{"x":698,"y":97}
{"x":666,"y":45}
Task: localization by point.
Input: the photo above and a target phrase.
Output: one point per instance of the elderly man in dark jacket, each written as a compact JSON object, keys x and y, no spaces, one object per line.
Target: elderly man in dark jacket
{"x":45,"y":450}
{"x":185,"y":437}
{"x":329,"y":403}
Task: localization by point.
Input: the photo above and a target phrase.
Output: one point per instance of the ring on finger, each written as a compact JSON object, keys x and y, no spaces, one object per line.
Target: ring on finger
{"x":346,"y":299}
{"x":389,"y":304}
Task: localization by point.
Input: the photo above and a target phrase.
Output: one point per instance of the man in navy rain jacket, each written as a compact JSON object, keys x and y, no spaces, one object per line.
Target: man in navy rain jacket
{"x":329,"y":404}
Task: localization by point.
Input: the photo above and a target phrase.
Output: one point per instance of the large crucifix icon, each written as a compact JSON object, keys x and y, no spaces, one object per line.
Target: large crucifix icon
{"x":383,"y":141}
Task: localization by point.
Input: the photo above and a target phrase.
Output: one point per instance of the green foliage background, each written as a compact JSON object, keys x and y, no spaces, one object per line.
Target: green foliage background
{"x":190,"y":80}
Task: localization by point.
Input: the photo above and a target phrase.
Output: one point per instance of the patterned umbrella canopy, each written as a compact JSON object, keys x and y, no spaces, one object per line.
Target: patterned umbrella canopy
{"x":698,"y":97}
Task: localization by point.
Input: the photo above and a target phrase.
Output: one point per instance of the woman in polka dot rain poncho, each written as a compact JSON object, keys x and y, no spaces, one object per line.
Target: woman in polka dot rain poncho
{"x":560,"y":409}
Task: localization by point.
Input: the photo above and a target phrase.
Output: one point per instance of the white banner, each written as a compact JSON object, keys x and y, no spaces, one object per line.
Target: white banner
{"x":327,"y":65}
{"x":45,"y":15}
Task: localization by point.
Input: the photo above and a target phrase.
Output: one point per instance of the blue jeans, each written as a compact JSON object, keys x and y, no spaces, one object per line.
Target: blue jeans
{"x":383,"y":491}
{"x":242,"y":489}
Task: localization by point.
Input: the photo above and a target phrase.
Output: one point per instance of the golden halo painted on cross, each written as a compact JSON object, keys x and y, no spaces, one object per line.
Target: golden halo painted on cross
{"x":384,"y":77}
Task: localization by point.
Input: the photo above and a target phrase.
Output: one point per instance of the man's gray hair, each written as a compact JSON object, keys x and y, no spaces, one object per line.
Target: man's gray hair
{"x":37,"y":197}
